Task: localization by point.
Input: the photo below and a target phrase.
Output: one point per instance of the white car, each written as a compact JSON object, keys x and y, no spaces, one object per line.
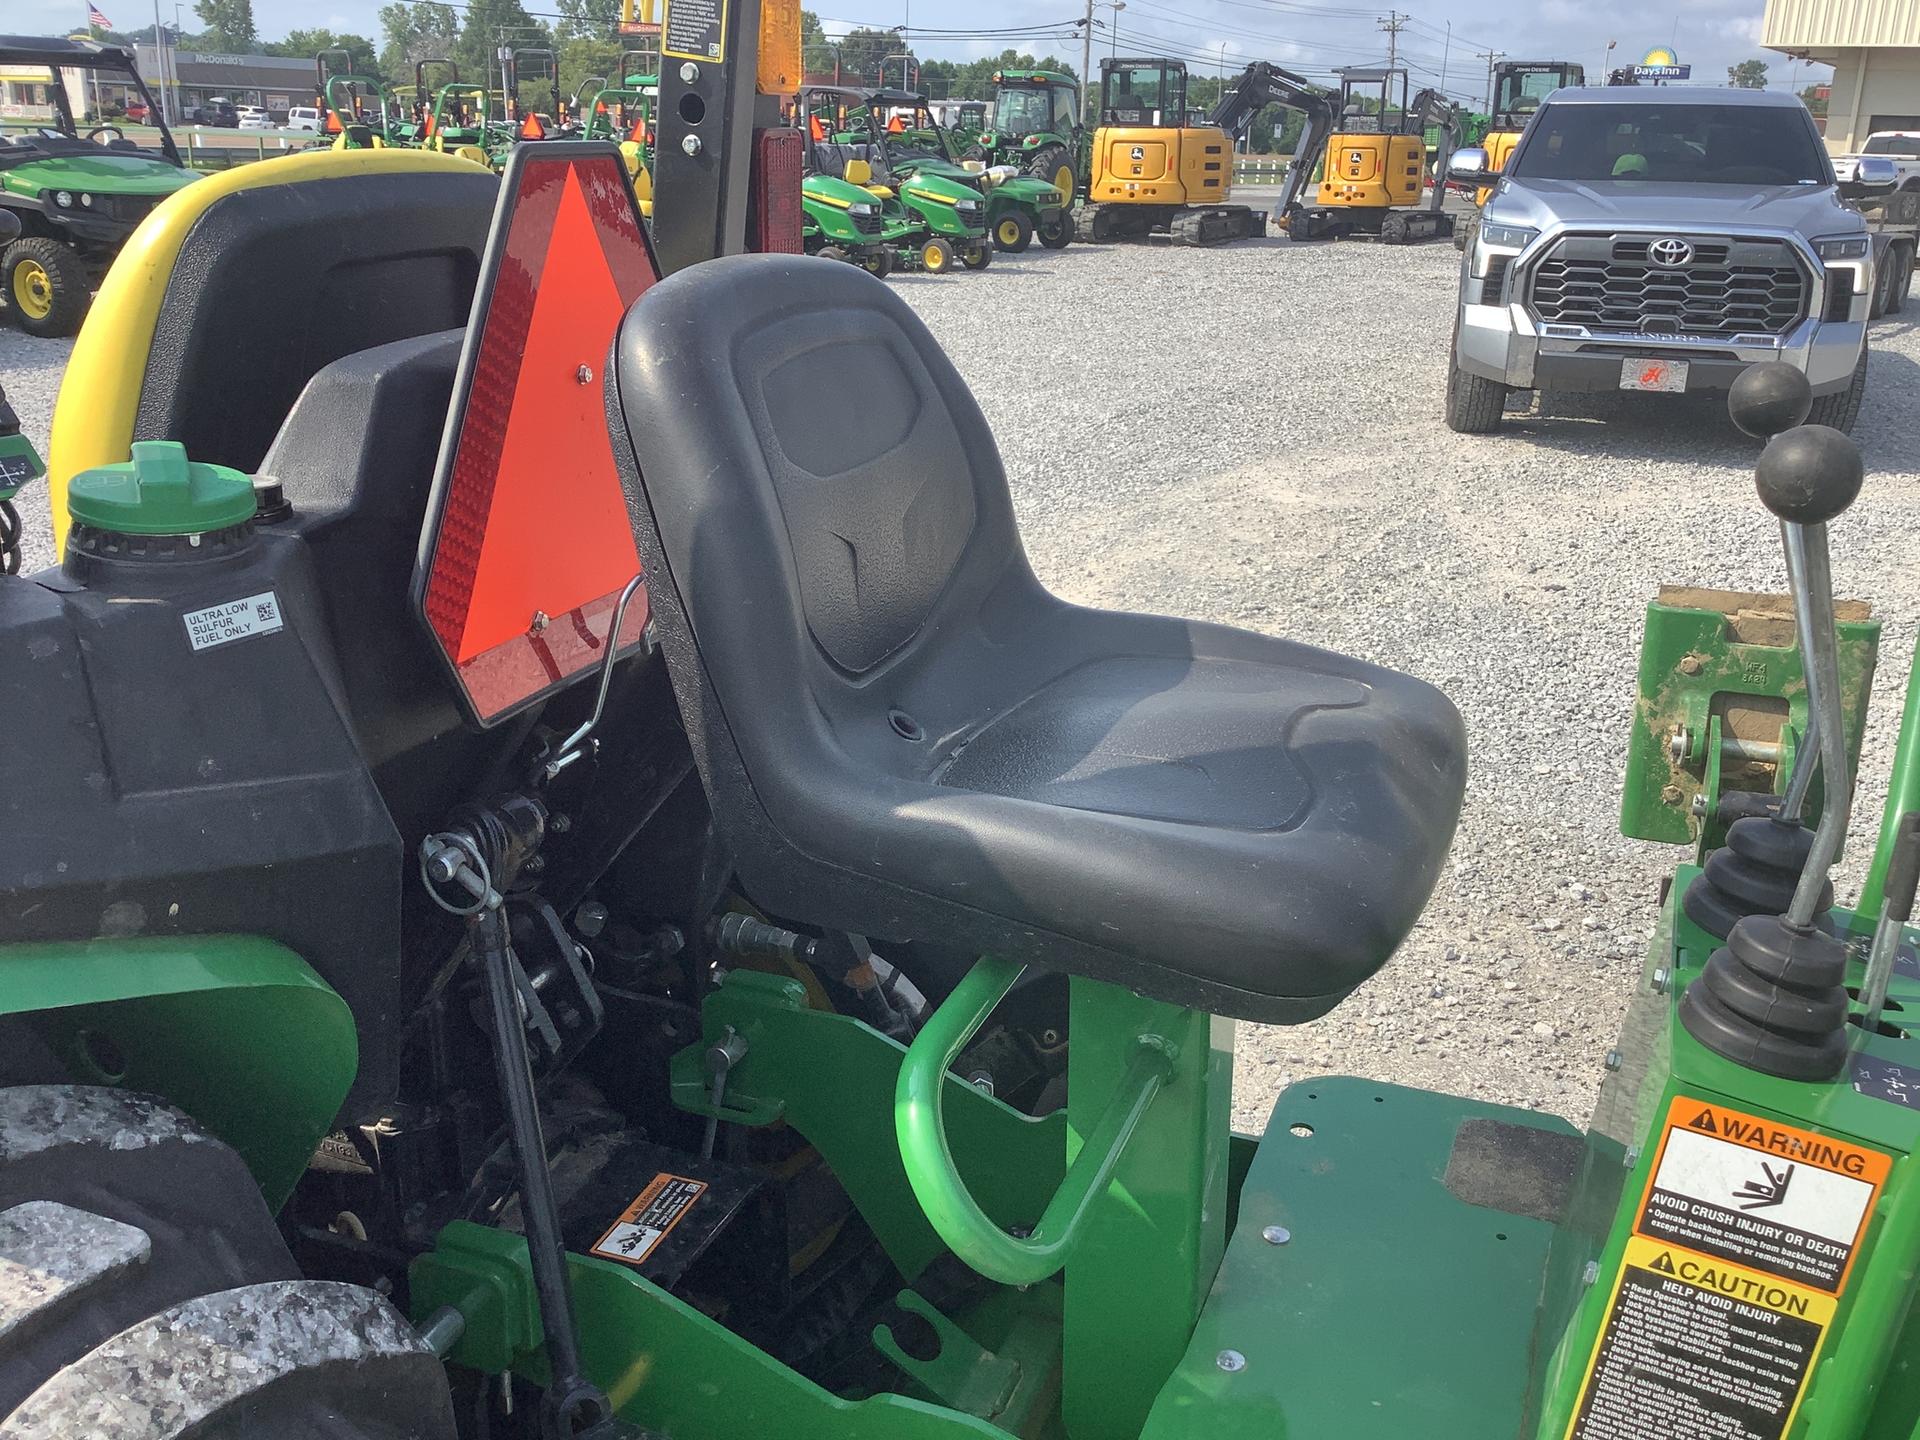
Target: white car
{"x":252,"y":117}
{"x":303,"y":117}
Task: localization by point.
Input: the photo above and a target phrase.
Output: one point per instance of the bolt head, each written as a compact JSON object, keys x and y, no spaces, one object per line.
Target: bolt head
{"x":691,"y":144}
{"x":539,"y":622}
{"x":1691,"y":664}
{"x":1276,"y":1235}
{"x":1613,"y":1059}
{"x":1231,"y":1361}
{"x":1700,"y":806}
{"x":584,"y":375}
{"x":1670,"y":795}
{"x":689,"y":72}
{"x":1591,"y":1274}
{"x":1662,"y":978}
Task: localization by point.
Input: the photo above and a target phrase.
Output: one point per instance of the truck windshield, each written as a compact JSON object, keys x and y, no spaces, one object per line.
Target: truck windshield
{"x":1688,"y":144}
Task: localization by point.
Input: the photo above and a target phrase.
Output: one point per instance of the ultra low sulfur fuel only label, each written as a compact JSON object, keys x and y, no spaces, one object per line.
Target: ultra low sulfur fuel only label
{"x":1744,"y":1242}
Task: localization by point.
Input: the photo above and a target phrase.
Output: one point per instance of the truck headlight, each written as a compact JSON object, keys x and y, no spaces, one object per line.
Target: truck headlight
{"x":1506,"y":237}
{"x":1844,"y":247}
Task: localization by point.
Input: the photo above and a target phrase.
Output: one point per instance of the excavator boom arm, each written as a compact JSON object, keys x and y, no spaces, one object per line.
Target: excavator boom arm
{"x":1262,"y":84}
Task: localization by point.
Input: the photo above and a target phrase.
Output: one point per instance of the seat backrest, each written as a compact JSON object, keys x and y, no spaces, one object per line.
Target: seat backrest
{"x":816,"y":494}
{"x":859,"y":172}
{"x":241,"y":287}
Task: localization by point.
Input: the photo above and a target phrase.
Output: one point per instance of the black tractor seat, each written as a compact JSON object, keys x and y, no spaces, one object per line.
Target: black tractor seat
{"x":905,"y":736}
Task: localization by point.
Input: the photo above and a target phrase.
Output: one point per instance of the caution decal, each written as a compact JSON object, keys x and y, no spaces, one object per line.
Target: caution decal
{"x":645,"y":1223}
{"x":1741,"y":1247}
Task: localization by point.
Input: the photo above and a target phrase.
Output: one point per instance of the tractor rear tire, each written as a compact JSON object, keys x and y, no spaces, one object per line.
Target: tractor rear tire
{"x":1058,"y":234}
{"x":830,"y":252}
{"x":878,"y":262}
{"x":1012,"y":232}
{"x":1054,"y":164}
{"x":149,"y":1296}
{"x":978,"y":255}
{"x":1474,"y":403}
{"x":47,"y":285}
{"x":1842,"y":408}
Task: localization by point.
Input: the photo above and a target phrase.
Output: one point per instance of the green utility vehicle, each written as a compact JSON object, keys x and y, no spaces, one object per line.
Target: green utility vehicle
{"x":571,"y":883}
{"x":902,"y":134}
{"x":77,"y":190}
{"x":1037,"y":126}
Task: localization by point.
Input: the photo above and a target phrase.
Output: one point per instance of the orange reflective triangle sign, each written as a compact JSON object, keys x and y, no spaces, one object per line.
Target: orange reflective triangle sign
{"x":529,"y":545}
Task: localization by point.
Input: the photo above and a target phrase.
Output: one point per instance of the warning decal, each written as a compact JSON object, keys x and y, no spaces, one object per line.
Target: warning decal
{"x":1741,"y":1247}
{"x":1695,"y":1348}
{"x":1781,"y":1200}
{"x":695,"y":30}
{"x":645,"y":1223}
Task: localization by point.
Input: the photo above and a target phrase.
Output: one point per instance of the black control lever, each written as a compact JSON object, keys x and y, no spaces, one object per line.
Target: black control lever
{"x":1896,"y":908}
{"x":1773,"y":997}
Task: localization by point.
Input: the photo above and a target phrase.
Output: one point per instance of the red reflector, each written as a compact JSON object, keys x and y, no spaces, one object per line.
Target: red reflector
{"x":529,"y":544}
{"x":775,"y":216}
{"x":531,"y":128}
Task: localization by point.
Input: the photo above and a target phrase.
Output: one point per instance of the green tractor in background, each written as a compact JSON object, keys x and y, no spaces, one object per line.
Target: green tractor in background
{"x":844,"y":221}
{"x":1037,"y":126}
{"x":77,"y":192}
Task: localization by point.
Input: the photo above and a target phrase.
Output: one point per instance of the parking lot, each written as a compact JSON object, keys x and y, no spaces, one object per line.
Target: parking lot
{"x":1252,"y":435}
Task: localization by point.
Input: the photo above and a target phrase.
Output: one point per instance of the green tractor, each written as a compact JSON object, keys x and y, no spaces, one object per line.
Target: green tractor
{"x":633,"y":913}
{"x":1037,"y":126}
{"x":848,"y":222}
{"x":76,"y":191}
{"x":902,"y":134}
{"x":358,"y":111}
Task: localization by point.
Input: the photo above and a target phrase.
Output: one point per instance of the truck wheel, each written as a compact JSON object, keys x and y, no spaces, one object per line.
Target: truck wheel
{"x":1901,"y":280}
{"x":164,"y":1302}
{"x":1884,"y":276}
{"x":1012,"y":232}
{"x":46,"y":285}
{"x":1474,"y":403}
{"x":1465,"y":233}
{"x":1842,"y":408}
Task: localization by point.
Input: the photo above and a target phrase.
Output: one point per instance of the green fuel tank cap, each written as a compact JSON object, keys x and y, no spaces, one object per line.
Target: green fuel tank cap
{"x":160,"y":492}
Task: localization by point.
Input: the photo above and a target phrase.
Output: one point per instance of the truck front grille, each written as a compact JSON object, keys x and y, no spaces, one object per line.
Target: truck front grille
{"x":1724,"y":287}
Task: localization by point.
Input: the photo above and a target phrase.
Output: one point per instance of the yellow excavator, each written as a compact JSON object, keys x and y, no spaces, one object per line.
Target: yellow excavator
{"x":1373,"y":171}
{"x":1156,"y":169}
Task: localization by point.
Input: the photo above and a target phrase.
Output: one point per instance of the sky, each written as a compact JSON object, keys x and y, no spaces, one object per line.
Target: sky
{"x":1309,"y":36}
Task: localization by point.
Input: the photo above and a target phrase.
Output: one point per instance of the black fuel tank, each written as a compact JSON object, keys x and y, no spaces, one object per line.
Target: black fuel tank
{"x":176,"y":757}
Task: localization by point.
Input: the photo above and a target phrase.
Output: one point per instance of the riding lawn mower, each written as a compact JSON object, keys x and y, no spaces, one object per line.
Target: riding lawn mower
{"x":632,"y":912}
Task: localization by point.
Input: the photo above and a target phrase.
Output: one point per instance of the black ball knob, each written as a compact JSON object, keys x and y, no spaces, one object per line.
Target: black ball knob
{"x":1808,"y":475}
{"x":1768,"y":399}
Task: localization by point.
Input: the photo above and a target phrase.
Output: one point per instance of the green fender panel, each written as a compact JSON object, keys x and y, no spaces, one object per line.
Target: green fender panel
{"x":237,"y":1031}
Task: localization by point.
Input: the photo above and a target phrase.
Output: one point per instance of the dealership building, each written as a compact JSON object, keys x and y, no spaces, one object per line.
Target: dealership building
{"x":1874,"y":49}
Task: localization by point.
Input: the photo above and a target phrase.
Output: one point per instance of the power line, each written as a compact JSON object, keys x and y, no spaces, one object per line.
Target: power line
{"x":1393,"y":25}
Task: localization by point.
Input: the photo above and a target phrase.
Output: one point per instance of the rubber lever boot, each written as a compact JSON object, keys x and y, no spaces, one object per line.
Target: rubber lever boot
{"x":1773,"y":999}
{"x":1755,"y":874}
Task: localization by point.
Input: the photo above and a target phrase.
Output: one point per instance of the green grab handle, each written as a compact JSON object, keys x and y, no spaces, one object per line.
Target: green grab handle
{"x":950,"y":1207}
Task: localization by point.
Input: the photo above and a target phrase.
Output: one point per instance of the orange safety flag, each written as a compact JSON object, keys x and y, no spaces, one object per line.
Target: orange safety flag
{"x":638,"y":134}
{"x":816,"y":129}
{"x":428,"y":130}
{"x":599,"y":107}
{"x":531,"y":128}
{"x":896,"y":125}
{"x":333,"y":121}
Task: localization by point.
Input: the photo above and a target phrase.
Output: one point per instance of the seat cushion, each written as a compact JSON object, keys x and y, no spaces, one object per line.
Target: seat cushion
{"x":905,"y":735}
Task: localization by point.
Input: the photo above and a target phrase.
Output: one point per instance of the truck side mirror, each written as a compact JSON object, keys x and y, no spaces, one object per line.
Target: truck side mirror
{"x":1469,"y":166}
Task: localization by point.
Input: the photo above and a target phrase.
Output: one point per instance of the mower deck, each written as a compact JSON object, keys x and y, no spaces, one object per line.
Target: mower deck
{"x":1392,"y":1307}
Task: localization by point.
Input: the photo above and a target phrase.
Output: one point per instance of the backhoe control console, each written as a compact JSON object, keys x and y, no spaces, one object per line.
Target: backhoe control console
{"x":1774,"y":997}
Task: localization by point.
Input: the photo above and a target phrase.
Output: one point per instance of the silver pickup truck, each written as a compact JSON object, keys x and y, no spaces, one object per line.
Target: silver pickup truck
{"x":1660,"y":240}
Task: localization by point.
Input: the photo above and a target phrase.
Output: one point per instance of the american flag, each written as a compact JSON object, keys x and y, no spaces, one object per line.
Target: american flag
{"x":96,"y":20}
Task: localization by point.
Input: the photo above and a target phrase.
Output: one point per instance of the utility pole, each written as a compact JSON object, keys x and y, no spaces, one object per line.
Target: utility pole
{"x":1393,"y":25}
{"x":1086,"y":63}
{"x":1490,"y":56}
{"x":1446,"y":51}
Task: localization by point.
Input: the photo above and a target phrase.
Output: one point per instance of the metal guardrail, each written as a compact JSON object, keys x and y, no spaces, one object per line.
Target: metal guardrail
{"x":1255,"y":169}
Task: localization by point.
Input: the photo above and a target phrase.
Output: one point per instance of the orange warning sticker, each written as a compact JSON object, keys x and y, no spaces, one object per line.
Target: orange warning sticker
{"x":1742,"y":1243}
{"x":1777,"y":1199}
{"x":645,"y":1223}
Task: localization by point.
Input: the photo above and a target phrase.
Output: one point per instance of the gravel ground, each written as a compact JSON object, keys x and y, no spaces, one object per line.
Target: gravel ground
{"x":1252,"y":435}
